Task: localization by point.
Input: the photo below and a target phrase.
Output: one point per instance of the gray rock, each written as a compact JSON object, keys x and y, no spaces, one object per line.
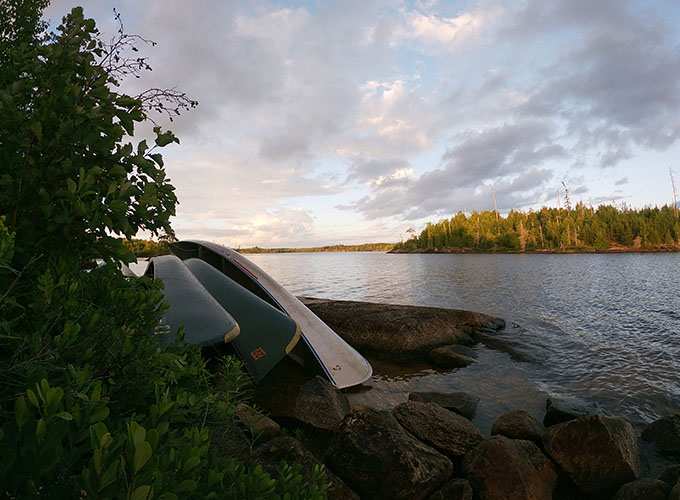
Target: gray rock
{"x":379,"y":459}
{"x":599,"y":453}
{"x":665,"y":433}
{"x":462,"y":403}
{"x":446,"y":431}
{"x":320,"y":404}
{"x":455,"y":489}
{"x":446,"y":357}
{"x":400,"y":332}
{"x":509,"y":469}
{"x":563,"y":410}
{"x":519,"y":424}
{"x":643,"y":489}
{"x":288,"y":449}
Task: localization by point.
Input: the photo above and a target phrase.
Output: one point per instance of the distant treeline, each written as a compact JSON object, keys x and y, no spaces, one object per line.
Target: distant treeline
{"x":579,"y":228}
{"x":365,"y":247}
{"x":147,"y":248}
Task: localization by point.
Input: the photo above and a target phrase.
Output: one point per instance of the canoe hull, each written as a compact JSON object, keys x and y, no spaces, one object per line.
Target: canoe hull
{"x":340,"y":362}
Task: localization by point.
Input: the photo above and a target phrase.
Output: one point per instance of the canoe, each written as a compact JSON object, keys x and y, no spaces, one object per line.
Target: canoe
{"x":204,"y":320}
{"x":322,"y":350}
{"x":267,"y":334}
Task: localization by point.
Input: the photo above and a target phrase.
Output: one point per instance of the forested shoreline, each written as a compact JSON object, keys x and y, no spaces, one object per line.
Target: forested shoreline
{"x":578,"y":229}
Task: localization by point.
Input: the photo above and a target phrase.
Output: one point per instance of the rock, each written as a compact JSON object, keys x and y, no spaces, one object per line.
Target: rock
{"x":675,"y":492}
{"x":563,"y":410}
{"x":379,"y":459}
{"x":455,"y":489}
{"x":446,"y":357}
{"x":671,"y":475}
{"x":598,"y":453}
{"x":643,"y":489}
{"x":509,"y":469}
{"x":460,"y":402}
{"x":665,"y":433}
{"x":446,"y":431}
{"x":519,"y":424}
{"x":258,"y":424}
{"x":400,"y":332}
{"x":321,"y":404}
{"x":270,"y":455}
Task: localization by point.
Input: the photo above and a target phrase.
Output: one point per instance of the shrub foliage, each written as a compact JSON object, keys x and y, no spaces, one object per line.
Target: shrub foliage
{"x":90,"y":406}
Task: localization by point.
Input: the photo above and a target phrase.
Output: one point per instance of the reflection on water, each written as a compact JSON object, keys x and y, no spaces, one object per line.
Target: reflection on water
{"x":603,"y":327}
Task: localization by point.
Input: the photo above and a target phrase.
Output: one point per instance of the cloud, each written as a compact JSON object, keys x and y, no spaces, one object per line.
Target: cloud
{"x":621,"y":181}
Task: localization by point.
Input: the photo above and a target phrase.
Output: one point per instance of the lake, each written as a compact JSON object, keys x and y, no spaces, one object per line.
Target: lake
{"x":604,"y":328}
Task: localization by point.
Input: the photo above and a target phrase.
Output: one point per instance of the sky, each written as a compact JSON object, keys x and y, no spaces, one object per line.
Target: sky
{"x":349,"y":121}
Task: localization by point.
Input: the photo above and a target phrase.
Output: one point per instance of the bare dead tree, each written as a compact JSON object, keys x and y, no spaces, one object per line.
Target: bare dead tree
{"x":675,"y":194}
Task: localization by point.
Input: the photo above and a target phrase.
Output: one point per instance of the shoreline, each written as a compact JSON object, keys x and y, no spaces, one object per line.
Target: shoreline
{"x":614,"y":250}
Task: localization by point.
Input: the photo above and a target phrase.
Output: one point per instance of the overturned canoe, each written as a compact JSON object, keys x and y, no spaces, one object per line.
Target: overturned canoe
{"x":204,"y":320}
{"x":322,"y":347}
{"x":267,"y":334}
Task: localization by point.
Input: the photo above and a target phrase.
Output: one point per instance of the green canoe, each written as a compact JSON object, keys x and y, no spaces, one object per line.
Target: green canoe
{"x":267,"y":334}
{"x":205,"y":321}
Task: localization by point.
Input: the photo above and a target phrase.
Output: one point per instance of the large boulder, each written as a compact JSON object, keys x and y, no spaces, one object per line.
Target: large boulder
{"x":462,"y":403}
{"x":509,"y":469}
{"x":643,"y":489}
{"x":671,"y":475}
{"x":445,"y":430}
{"x":379,"y":459}
{"x":398,"y":331}
{"x":665,"y":433}
{"x":447,"y":356}
{"x":519,"y":424}
{"x":320,"y":404}
{"x":455,"y":489}
{"x":599,"y":453}
{"x":563,"y":410}
{"x":288,"y":449}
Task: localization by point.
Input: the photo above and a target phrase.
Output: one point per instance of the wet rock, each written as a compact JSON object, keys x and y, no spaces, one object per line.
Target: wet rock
{"x":665,"y":433}
{"x":447,"y":357}
{"x":563,"y":410}
{"x":599,"y":453}
{"x":258,"y":424}
{"x":462,"y":403}
{"x":509,"y":469}
{"x":643,"y":489}
{"x":446,"y":431}
{"x":320,"y":404}
{"x":671,"y":475}
{"x":379,"y":459}
{"x":519,"y":424}
{"x":400,"y":332}
{"x":455,"y":489}
{"x":288,"y":449}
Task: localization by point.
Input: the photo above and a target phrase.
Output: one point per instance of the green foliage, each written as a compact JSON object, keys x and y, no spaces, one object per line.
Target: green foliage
{"x":90,"y":406}
{"x":69,"y":175}
{"x":364,"y":247}
{"x":551,"y":229}
{"x":147,"y":248}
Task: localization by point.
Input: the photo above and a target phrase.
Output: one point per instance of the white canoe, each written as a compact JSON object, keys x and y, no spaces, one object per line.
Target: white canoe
{"x":338,"y":360}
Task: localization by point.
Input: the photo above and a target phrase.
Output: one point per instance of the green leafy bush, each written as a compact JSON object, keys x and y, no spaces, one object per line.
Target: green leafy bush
{"x":90,"y":406}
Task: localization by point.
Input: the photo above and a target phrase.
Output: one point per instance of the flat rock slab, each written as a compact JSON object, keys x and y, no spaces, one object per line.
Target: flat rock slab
{"x":399,"y":331}
{"x":446,"y":431}
{"x":462,"y":403}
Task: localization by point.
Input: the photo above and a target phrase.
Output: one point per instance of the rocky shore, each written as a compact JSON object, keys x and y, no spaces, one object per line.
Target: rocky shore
{"x":427,"y":447}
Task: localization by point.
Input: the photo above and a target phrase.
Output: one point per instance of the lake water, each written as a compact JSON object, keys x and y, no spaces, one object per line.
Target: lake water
{"x":604,"y":328}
